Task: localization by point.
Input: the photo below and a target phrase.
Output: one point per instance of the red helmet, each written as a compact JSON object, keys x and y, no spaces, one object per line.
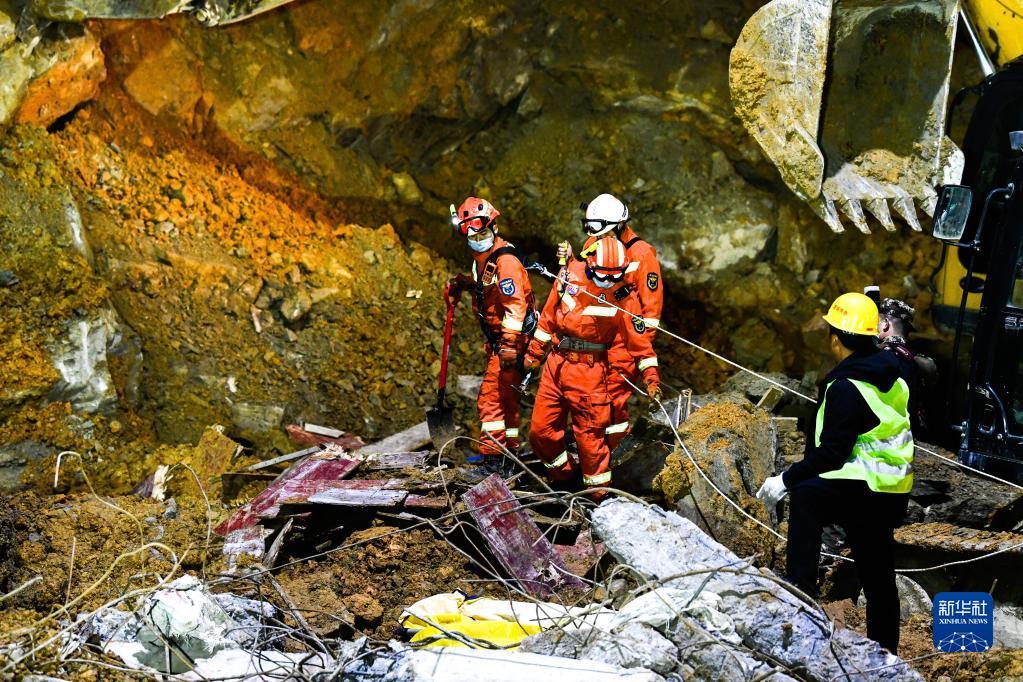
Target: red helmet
{"x":606,"y":259}
{"x":474,"y":214}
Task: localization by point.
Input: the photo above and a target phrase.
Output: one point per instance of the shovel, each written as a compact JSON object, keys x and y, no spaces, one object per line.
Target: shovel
{"x":440,"y":419}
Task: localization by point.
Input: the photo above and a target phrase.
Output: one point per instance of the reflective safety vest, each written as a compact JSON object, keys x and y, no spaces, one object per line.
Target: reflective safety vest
{"x":881,"y":457}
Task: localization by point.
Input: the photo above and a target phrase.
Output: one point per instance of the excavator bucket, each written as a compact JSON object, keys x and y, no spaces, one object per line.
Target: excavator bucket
{"x":847,"y":99}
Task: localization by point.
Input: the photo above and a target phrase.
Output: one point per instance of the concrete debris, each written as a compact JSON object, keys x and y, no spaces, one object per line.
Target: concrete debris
{"x":662,"y":605}
{"x":703,"y":657}
{"x":946,"y":537}
{"x":184,"y":619}
{"x":515,"y":540}
{"x":237,"y":665}
{"x":913,"y":599}
{"x":458,"y":665}
{"x":469,"y":385}
{"x":633,"y":645}
{"x":1008,"y":626}
{"x":768,"y":617}
{"x":408,"y":440}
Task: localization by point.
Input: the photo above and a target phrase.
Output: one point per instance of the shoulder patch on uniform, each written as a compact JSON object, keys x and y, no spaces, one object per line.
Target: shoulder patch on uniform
{"x":571,"y":289}
{"x":639,"y":325}
{"x":652,"y":280}
{"x":507,"y":286}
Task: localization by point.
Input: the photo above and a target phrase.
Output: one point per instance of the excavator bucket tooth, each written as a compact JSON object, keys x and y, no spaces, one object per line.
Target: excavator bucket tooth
{"x":879,"y":209}
{"x":826,"y":211}
{"x":847,"y":98}
{"x":928,"y":203}
{"x":853,"y":209}
{"x":905,"y":208}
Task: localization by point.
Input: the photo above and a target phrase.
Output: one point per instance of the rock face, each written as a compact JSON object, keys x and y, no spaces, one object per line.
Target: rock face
{"x":521,"y":104}
{"x":733,"y":443}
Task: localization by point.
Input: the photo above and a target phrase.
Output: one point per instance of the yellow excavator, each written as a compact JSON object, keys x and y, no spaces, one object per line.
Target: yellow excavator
{"x":850,"y":101}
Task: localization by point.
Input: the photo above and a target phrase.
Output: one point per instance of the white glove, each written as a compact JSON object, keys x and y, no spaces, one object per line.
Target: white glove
{"x":772,"y":491}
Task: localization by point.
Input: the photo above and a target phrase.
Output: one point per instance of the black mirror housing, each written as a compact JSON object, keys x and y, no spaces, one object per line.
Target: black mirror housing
{"x":951,"y":213}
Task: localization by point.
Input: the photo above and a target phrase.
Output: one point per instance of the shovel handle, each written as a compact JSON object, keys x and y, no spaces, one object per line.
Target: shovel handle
{"x":442,"y":380}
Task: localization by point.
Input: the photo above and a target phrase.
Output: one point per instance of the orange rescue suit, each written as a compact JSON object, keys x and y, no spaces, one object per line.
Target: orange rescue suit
{"x":503,"y":299}
{"x":575,"y":377}
{"x":644,"y":275}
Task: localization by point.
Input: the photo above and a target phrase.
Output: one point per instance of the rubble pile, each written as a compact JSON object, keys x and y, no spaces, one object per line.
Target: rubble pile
{"x":383,"y":560}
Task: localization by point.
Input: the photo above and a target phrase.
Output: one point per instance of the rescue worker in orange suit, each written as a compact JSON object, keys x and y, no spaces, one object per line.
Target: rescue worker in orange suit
{"x":606,"y":215}
{"x":503,"y":300}
{"x":574,"y":383}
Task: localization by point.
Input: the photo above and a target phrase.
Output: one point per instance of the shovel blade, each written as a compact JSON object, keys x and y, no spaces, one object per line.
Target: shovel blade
{"x":441,"y":422}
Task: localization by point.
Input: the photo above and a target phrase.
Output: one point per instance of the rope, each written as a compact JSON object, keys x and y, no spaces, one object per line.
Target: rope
{"x":547,"y":273}
{"x":732,"y":502}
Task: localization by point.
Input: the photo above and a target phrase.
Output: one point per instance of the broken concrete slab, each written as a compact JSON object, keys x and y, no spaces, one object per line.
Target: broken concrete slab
{"x":943,"y":492}
{"x":633,"y":645}
{"x":515,"y":540}
{"x":412,"y":438}
{"x":768,"y":617}
{"x":706,"y":658}
{"x":947,"y":537}
{"x":458,"y":665}
{"x":317,"y":467}
{"x":397,"y":460}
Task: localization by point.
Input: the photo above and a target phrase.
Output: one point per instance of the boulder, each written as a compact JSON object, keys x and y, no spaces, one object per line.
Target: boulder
{"x":68,"y":73}
{"x":733,"y":444}
{"x":80,"y":356}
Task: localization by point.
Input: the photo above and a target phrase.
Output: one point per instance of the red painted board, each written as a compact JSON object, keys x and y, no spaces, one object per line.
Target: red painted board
{"x":300,"y":436}
{"x":317,"y":467}
{"x":515,"y":540}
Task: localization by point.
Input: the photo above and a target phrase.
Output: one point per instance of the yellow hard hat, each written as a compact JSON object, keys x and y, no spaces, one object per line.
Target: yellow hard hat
{"x":853,"y":313}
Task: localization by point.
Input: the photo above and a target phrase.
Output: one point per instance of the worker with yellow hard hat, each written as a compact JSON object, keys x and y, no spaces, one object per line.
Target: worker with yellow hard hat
{"x":856,"y":472}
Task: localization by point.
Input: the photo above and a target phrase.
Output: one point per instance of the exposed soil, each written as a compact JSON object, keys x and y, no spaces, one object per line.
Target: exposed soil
{"x":368,"y":585}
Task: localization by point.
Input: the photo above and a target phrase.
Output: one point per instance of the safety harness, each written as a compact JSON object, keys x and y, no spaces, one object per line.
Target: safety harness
{"x":529,"y":323}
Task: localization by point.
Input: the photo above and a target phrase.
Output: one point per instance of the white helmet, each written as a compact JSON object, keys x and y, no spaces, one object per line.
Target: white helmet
{"x":604,"y":214}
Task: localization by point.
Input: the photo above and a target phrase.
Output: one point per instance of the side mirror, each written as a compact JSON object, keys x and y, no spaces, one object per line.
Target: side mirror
{"x":952,"y":212}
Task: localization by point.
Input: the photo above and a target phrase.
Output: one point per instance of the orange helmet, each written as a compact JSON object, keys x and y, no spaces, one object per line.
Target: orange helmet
{"x":474,"y":214}
{"x":606,"y":260}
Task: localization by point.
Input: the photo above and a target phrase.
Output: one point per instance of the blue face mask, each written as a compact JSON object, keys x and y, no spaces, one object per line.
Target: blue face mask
{"x":481,"y":246}
{"x":604,"y":285}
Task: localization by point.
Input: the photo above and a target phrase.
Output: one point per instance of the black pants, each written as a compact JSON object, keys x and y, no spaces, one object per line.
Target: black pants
{"x":869,"y":520}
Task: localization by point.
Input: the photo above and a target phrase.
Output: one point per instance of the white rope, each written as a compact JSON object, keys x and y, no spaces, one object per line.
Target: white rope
{"x":736,"y":505}
{"x":544,"y":271}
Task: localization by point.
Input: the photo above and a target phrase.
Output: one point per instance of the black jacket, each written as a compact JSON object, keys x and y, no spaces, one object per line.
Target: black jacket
{"x":846,"y":414}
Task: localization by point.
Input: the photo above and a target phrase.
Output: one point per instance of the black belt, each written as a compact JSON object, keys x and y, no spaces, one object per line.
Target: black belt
{"x":573,"y":344}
